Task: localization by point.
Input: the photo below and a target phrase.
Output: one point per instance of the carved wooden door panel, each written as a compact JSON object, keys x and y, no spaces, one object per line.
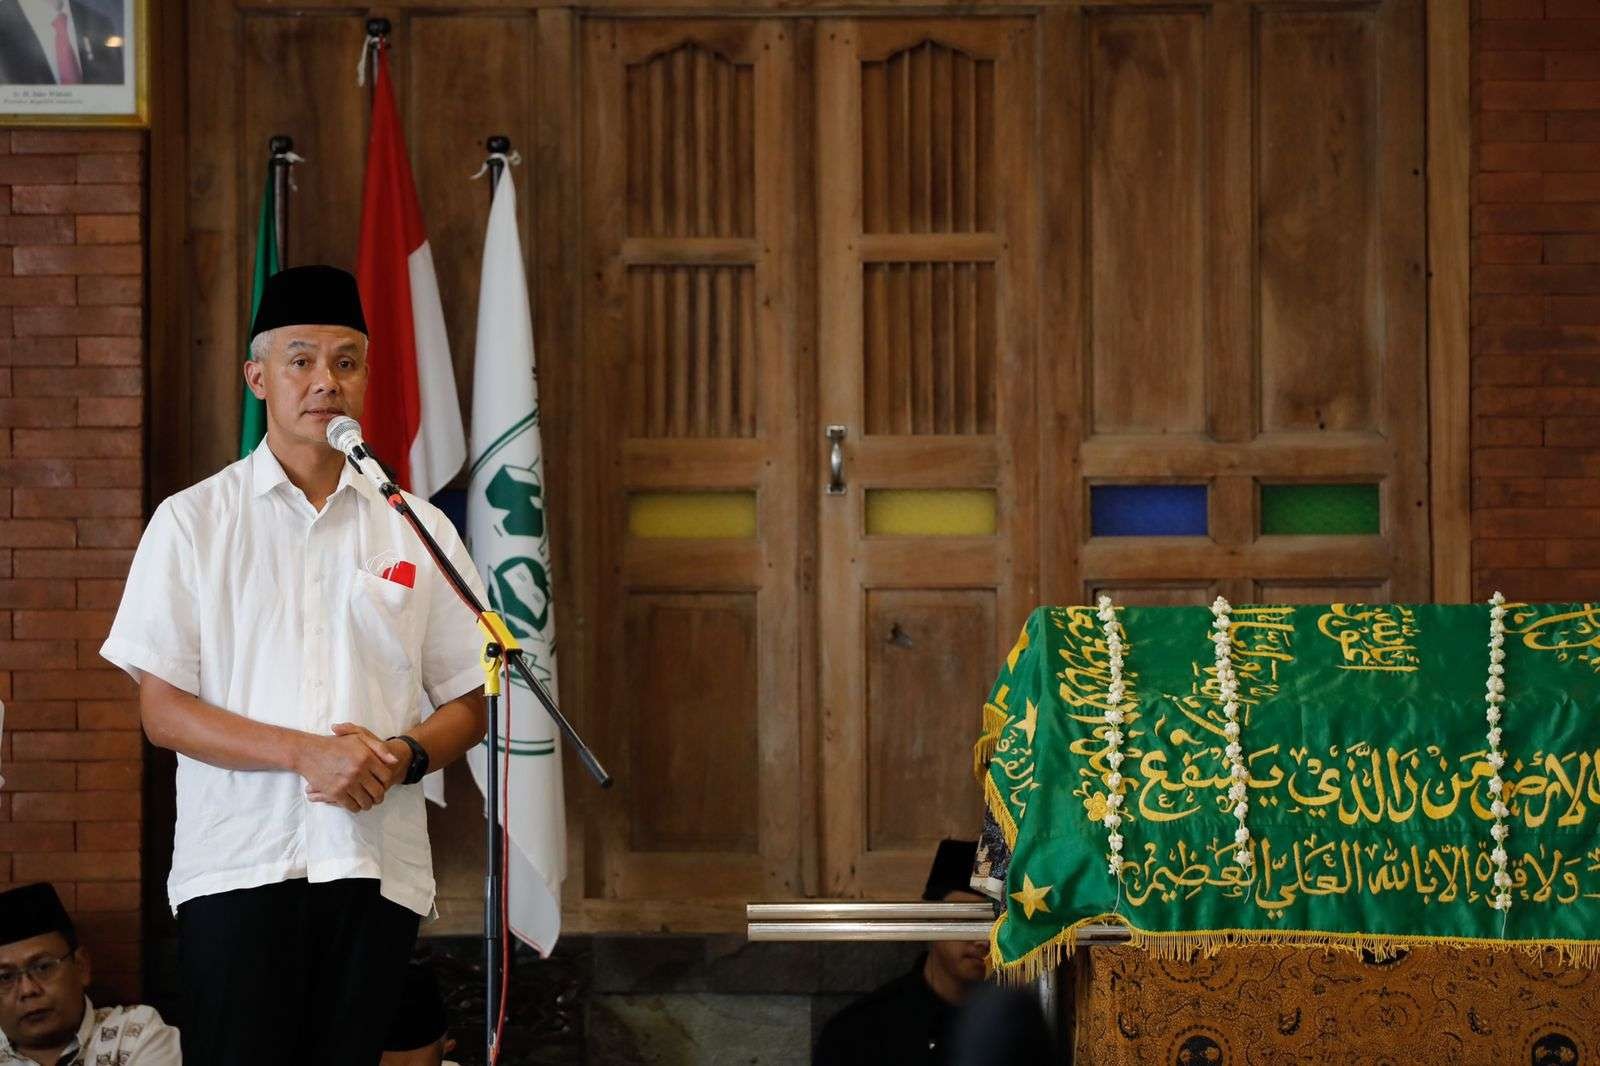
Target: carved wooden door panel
{"x":927,"y":536}
{"x":690,"y":350}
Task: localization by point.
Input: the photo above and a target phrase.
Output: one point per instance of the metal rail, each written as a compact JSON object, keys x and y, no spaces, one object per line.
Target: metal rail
{"x":879,"y":930}
{"x":854,"y":910}
{"x":844,"y":920}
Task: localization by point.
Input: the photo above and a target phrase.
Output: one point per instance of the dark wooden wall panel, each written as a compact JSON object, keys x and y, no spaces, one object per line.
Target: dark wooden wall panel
{"x":465,"y":77}
{"x":299,"y":79}
{"x":1320,"y":213}
{"x":690,"y":664}
{"x":921,"y":689}
{"x":1321,"y":592}
{"x":1147,"y":211}
{"x":1177,"y":594}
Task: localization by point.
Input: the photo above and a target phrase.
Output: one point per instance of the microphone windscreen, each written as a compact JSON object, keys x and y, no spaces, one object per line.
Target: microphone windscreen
{"x":344,"y":433}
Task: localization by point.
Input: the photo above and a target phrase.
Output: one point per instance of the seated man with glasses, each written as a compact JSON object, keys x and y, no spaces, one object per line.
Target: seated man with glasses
{"x":45,"y":1018}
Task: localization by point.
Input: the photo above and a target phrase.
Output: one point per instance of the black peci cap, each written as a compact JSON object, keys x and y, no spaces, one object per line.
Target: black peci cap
{"x":309,"y":296}
{"x":34,"y":910}
{"x":952,"y":869}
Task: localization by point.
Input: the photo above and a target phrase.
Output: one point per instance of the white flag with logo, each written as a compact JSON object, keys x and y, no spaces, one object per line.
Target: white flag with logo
{"x":509,"y":540}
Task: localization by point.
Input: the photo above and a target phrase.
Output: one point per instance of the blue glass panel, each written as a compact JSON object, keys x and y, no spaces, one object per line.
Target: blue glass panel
{"x":1147,"y":510}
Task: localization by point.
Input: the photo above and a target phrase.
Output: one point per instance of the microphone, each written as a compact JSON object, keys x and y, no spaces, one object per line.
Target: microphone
{"x":344,"y":434}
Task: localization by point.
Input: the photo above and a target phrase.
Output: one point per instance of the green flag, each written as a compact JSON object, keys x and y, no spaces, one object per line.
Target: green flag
{"x":252,"y":412}
{"x":1369,"y":772}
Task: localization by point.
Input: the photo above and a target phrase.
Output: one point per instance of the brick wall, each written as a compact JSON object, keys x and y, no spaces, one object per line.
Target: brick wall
{"x":71,"y":413}
{"x":1536,"y":299}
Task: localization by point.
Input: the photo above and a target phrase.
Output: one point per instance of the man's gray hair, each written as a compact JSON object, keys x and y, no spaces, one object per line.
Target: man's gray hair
{"x":261,"y":343}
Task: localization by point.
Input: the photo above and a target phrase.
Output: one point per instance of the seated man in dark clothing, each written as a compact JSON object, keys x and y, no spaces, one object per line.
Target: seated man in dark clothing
{"x":906,"y":1020}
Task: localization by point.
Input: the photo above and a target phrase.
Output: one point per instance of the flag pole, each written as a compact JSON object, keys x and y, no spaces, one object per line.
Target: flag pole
{"x":271,"y":237}
{"x":283,"y":157}
{"x":493,"y":887}
{"x":377,"y":37}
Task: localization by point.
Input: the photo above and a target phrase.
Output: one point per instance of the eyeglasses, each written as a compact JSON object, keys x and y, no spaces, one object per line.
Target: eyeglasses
{"x":42,"y":971}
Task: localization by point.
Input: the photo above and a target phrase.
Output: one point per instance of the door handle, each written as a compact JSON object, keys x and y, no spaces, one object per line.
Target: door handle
{"x":836,"y":461}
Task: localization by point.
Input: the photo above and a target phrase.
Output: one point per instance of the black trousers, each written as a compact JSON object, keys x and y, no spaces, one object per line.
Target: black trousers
{"x":291,"y":972}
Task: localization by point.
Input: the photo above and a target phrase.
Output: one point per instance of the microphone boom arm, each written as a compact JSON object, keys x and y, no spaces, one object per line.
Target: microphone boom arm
{"x":514,"y":655}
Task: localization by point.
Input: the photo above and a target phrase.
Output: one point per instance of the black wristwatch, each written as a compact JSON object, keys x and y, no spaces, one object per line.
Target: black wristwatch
{"x":419,"y":760}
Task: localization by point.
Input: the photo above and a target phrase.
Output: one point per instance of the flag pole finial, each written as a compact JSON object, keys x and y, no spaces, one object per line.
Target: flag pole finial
{"x":499,"y":146}
{"x":500,"y":156}
{"x":377,"y":38}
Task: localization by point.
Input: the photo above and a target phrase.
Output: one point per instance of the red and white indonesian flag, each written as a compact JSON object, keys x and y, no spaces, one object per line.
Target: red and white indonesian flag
{"x":412,"y":419}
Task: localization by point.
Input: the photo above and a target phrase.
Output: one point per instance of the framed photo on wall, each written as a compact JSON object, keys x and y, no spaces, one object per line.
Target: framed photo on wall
{"x":74,"y":62}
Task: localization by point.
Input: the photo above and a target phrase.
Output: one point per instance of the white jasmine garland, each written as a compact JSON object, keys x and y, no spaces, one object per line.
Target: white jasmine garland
{"x":1493,"y":697}
{"x":1228,"y":696}
{"x":1116,"y":691}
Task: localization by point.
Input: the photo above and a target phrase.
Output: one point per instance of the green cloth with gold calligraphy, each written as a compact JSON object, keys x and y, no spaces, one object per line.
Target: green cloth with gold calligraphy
{"x":1364,"y":732}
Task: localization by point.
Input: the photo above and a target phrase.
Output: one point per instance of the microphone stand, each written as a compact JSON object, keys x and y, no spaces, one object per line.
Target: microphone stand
{"x":500,"y":650}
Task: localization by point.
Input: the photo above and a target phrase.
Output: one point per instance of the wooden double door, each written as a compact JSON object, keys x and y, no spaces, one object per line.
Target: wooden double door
{"x":872,"y":310}
{"x":809,"y":386}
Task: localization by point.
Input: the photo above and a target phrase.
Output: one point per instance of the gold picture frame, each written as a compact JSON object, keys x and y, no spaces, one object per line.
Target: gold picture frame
{"x":105,"y":32}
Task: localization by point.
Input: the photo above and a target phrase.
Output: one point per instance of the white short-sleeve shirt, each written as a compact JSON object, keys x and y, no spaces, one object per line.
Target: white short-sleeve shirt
{"x":123,"y":1036}
{"x":244,"y":595}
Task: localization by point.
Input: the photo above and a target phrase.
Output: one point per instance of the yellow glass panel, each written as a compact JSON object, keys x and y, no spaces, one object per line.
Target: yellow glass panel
{"x":692,"y":515}
{"x":930,"y":512}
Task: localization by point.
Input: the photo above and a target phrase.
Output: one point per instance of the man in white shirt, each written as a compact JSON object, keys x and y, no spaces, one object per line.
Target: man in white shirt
{"x":281,"y":622}
{"x":58,"y":42}
{"x":45,"y":1018}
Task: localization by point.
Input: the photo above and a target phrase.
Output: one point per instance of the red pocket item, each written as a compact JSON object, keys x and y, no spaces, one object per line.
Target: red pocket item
{"x":401,"y":573}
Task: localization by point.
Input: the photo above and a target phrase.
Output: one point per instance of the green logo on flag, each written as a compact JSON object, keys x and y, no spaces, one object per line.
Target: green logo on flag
{"x":515,"y":492}
{"x":519,"y":586}
{"x":521,"y":593}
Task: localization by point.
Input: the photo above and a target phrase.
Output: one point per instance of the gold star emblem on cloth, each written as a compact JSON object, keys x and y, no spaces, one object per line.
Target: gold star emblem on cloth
{"x":1030,"y":720}
{"x":1032,"y":897}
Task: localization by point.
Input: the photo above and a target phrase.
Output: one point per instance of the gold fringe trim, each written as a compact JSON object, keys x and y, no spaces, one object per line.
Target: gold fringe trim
{"x":994,"y":722}
{"x":1044,"y":958}
{"x":997,"y":807}
{"x":1185,"y":947}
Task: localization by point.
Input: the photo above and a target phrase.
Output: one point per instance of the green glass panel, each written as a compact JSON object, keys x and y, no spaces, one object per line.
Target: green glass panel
{"x":1300,"y":510}
{"x":692,"y":515}
{"x":930,"y":512}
